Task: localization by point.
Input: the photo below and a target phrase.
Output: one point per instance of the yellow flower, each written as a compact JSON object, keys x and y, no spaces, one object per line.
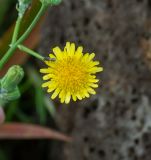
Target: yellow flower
{"x":71,"y":74}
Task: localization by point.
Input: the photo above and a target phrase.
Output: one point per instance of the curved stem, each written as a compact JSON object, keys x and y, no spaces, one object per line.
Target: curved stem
{"x":31,"y":52}
{"x":10,"y":52}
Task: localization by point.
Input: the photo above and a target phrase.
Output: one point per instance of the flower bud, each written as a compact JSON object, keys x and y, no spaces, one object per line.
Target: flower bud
{"x":9,"y":96}
{"x":12,"y":78}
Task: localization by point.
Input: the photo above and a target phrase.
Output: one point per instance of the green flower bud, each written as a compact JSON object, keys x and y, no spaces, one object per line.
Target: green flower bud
{"x":12,"y":78}
{"x":13,"y":95}
{"x":9,"y":84}
{"x":5,"y":97}
{"x":51,"y":2}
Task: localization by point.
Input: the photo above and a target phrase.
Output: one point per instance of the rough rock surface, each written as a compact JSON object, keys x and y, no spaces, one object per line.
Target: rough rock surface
{"x":116,"y":123}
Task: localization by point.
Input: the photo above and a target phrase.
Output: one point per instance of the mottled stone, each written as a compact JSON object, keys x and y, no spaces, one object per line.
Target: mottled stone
{"x":116,"y":123}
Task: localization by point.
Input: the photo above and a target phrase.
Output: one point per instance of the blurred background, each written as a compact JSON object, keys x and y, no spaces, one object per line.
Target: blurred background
{"x":115,"y":124}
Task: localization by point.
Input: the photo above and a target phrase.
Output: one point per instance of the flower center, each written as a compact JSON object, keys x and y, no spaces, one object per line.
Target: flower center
{"x":71,"y":74}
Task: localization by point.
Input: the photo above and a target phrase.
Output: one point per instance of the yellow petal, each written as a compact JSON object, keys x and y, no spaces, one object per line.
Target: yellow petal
{"x":93,"y":85}
{"x":52,"y":55}
{"x":44,"y":70}
{"x":51,"y":89}
{"x":46,"y":84}
{"x":92,"y":91}
{"x":58,"y":53}
{"x":85,"y":57}
{"x":67,"y":98}
{"x":50,"y":63}
{"x":79,"y":96}
{"x":79,"y":49}
{"x":48,"y":76}
{"x":62,"y":96}
{"x":74,"y":97}
{"x":91,"y":56}
{"x":85,"y":93}
{"x":78,"y":53}
{"x":72,"y":49}
{"x":94,"y":80}
{"x":55,"y":94}
{"x":49,"y":84}
{"x":95,"y":69}
{"x":94,"y":63}
{"x":67,"y":47}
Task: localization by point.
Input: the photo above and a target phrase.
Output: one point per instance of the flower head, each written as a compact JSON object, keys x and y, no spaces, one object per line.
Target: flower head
{"x":71,"y":75}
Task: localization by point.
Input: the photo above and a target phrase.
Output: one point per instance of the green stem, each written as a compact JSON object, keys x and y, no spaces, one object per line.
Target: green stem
{"x":10,"y":52}
{"x":16,"y":30}
{"x":31,"y":52}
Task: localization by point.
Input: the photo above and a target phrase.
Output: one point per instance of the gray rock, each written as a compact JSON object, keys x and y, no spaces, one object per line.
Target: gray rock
{"x":116,"y":123}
